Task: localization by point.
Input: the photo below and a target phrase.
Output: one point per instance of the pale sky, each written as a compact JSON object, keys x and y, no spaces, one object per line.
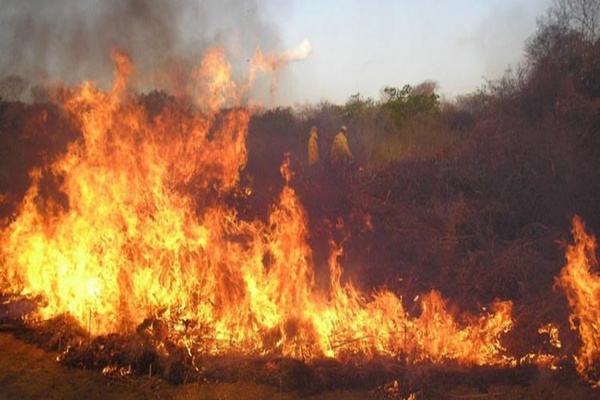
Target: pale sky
{"x":358,"y":46}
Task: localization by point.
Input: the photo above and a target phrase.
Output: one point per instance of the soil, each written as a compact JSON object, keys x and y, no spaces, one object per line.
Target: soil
{"x":29,"y":372}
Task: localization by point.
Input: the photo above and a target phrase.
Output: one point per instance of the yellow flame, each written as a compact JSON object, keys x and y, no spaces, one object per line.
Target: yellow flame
{"x":582,"y":288}
{"x":146,"y":233}
{"x":552,"y":331}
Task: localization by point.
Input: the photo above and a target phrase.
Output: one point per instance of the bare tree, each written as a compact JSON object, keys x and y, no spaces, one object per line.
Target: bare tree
{"x":582,"y":16}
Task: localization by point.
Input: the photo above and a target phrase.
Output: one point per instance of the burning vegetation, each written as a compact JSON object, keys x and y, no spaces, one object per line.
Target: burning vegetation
{"x":184,"y":235}
{"x":142,"y":230}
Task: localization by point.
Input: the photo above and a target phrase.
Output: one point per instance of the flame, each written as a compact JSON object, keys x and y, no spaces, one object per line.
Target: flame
{"x":273,"y":63}
{"x":582,"y":288}
{"x":145,"y":232}
{"x":553,"y":334}
{"x":215,"y":74}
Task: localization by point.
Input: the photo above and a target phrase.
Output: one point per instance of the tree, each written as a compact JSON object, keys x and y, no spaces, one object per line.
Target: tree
{"x":357,"y":106}
{"x":581,"y":16}
{"x":12,"y":87}
{"x":425,"y":88}
{"x":155,"y":101}
{"x":410,"y":102}
{"x":563,"y":55}
{"x":39,"y":94}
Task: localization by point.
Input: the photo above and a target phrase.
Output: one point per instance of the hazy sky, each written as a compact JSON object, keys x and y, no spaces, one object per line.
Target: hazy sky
{"x":358,"y":46}
{"x":361,"y":46}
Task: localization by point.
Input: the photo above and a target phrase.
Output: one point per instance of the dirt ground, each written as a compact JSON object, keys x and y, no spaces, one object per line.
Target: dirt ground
{"x":28,"y":372}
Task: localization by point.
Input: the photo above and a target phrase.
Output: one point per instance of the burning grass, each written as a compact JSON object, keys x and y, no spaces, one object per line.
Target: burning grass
{"x":138,"y":262}
{"x":144,"y":231}
{"x":149,"y":352}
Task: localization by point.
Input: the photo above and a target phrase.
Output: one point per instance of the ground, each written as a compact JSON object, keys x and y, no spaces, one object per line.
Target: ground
{"x":28,"y":372}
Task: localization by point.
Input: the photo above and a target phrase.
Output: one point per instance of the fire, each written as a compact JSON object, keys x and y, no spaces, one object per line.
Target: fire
{"x":582,"y":288}
{"x":553,"y":334}
{"x":145,"y":232}
{"x":215,"y":74}
{"x":273,"y":63}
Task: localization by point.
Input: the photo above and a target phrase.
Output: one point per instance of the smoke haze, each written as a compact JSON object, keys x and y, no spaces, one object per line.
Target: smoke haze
{"x":70,"y":40}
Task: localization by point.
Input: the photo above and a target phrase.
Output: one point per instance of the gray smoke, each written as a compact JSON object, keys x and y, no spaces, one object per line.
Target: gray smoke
{"x":71,"y":40}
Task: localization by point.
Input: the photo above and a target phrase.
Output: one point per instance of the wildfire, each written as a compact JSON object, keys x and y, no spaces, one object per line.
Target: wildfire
{"x":582,"y":287}
{"x":145,"y":233}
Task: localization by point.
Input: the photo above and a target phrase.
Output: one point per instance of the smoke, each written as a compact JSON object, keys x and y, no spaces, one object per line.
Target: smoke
{"x":71,"y":40}
{"x":301,"y":52}
{"x":506,"y":25}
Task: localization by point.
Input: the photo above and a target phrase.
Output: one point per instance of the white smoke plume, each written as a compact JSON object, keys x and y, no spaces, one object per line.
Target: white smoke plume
{"x":301,"y":52}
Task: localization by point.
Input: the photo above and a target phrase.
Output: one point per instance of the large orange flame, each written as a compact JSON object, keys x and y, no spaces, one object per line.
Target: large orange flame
{"x":582,"y":287}
{"x":145,"y":233}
